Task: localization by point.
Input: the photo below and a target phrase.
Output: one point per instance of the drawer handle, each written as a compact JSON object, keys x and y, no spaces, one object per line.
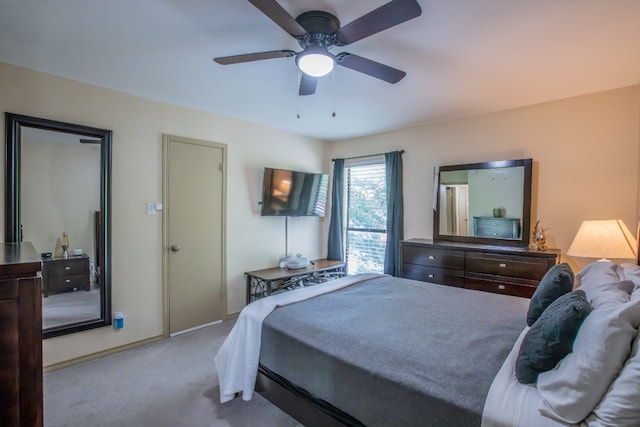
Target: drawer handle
{"x":430,"y":276}
{"x":68,"y":281}
{"x":67,"y":268}
{"x":432,"y":257}
{"x":503,"y":265}
{"x":502,"y":287}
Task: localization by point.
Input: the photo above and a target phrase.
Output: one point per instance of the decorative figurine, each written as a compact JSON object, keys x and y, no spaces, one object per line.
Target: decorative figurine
{"x":538,"y":239}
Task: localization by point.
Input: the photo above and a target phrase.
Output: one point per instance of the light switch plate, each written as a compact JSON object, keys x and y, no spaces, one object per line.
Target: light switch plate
{"x":151,"y":208}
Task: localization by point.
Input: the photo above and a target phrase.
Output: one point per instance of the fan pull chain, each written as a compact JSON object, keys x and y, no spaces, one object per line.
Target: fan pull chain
{"x":334,"y":92}
{"x":298,"y":94}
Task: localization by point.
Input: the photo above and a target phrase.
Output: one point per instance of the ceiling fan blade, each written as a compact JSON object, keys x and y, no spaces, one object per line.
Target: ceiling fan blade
{"x":308,"y":85}
{"x":372,"y":68}
{"x":277,"y":14}
{"x":248,"y":57}
{"x":386,"y":16}
{"x":90,"y":141}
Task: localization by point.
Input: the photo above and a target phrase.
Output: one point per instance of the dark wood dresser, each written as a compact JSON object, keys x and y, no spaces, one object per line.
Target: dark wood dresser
{"x":65,"y":274}
{"x":500,"y":269}
{"x":20,"y":336}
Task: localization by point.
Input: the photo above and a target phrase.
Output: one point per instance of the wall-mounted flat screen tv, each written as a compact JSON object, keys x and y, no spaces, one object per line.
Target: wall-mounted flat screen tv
{"x":293,"y":193}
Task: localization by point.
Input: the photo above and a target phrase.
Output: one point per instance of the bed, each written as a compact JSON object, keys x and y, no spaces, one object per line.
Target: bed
{"x":379,"y":350}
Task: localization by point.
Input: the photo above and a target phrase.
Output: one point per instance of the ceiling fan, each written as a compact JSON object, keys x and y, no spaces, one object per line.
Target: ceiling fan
{"x":317,"y":32}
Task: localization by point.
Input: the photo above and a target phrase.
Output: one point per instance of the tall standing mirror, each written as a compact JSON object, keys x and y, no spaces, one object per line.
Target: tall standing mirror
{"x":487,"y":203}
{"x":57,"y":196}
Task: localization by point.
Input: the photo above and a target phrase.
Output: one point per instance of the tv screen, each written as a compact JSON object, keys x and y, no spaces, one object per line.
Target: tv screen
{"x":293,"y":193}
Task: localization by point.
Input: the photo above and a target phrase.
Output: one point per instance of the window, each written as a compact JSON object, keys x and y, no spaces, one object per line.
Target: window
{"x":366,"y":216}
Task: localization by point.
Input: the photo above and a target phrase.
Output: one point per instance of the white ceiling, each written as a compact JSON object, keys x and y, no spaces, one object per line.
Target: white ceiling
{"x":462,"y":57}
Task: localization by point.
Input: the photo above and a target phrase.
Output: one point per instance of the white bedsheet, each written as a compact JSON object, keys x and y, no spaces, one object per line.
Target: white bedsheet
{"x":238,"y":358}
{"x":511,"y":404}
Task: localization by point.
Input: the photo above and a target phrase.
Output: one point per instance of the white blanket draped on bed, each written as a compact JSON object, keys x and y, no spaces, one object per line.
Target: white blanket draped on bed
{"x":237,"y":360}
{"x":511,"y":404}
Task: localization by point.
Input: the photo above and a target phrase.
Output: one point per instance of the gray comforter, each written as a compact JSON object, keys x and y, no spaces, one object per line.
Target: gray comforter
{"x":394,"y":352}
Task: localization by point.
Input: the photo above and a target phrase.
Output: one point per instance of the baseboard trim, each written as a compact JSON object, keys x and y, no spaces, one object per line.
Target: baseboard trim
{"x":103,"y":353}
{"x":195,"y":328}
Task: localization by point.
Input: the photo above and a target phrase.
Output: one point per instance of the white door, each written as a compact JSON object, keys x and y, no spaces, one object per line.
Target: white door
{"x":194,"y":237}
{"x":462,"y":205}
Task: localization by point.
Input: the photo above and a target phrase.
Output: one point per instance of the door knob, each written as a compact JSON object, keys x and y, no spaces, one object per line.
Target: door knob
{"x":175,"y":248}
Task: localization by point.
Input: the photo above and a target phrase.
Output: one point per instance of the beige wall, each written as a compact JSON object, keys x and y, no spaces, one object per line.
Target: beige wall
{"x":138,"y":124}
{"x":585,"y":152}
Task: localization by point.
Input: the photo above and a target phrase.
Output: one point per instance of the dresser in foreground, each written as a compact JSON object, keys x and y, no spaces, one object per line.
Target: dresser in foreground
{"x":20,"y":336}
{"x":507,"y":270}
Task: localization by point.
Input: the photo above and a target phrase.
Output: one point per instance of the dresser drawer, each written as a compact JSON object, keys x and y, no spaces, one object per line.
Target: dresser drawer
{"x":432,"y":257}
{"x":442,"y":276}
{"x":66,"y":267}
{"x":9,"y":289}
{"x":507,"y":265}
{"x":501,"y":285}
{"x":68,"y":282}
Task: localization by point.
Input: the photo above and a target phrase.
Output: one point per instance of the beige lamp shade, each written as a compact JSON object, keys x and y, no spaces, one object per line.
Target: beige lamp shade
{"x":603,"y":239}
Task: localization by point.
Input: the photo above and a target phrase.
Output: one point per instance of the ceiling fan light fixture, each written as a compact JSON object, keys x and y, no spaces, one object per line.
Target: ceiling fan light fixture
{"x":316,"y":62}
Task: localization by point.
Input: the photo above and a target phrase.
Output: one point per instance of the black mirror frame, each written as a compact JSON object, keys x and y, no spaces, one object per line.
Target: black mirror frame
{"x":526,"y":204}
{"x":13,"y":124}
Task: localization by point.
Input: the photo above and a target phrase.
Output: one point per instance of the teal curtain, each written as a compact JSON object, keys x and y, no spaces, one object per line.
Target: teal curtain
{"x":335,"y":250}
{"x":395,"y":212}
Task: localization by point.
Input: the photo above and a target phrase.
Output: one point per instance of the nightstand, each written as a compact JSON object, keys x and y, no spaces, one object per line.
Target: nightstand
{"x":65,"y":274}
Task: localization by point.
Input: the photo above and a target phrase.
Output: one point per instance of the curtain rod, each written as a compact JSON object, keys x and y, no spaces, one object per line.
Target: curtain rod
{"x":367,"y":155}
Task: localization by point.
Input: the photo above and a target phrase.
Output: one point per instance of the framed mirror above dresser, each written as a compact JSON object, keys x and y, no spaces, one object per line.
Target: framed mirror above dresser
{"x":488,"y":203}
{"x":481,"y":230}
{"x":57,"y":197}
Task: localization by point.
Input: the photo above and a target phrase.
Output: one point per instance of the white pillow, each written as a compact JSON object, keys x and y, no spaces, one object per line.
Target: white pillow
{"x":606,"y":294}
{"x":598,"y":272}
{"x":621,"y":405}
{"x":631,"y":272}
{"x":575,"y":386}
{"x":604,"y":283}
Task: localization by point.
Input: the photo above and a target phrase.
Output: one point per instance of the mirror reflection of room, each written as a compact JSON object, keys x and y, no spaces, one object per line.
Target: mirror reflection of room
{"x":60,"y":204}
{"x":482,"y":202}
{"x":281,"y":182}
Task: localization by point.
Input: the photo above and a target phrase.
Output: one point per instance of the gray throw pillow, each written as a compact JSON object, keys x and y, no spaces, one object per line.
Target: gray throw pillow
{"x":557,"y":282}
{"x":551,"y":336}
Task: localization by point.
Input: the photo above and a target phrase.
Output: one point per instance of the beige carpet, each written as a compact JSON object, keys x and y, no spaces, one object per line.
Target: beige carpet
{"x":169,"y":383}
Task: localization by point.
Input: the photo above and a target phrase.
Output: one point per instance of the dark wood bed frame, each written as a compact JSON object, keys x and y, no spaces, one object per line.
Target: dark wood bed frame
{"x":305,"y":410}
{"x":294,"y":404}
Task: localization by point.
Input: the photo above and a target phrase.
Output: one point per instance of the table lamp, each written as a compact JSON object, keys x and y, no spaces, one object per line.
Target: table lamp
{"x":65,"y":245}
{"x":603,"y":239}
